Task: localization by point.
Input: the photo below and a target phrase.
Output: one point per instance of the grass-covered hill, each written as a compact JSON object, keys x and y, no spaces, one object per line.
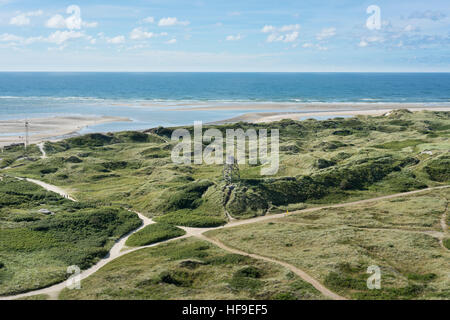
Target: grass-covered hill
{"x":327,"y":161}
{"x":41,"y":234}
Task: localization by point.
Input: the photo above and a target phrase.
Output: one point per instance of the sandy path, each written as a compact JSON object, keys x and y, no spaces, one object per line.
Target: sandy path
{"x":41,"y":148}
{"x":119,"y":249}
{"x":52,"y":188}
{"x":316,"y":284}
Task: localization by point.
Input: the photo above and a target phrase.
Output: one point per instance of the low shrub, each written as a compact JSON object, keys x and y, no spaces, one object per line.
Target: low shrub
{"x":189,"y":219}
{"x":154,"y":233}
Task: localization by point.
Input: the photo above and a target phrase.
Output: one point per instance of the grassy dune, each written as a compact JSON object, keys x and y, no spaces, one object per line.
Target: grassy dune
{"x":154,"y":233}
{"x":321,"y":162}
{"x":36,"y":247}
{"x":191,"y":269}
{"x":326,"y":161}
{"x":337,"y":246}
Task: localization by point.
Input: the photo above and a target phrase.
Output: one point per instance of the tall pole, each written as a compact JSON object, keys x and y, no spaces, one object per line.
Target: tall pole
{"x":26,"y":134}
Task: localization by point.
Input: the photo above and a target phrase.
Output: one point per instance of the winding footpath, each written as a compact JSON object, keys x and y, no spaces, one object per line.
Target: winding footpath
{"x":119,"y":249}
{"x":41,"y":148}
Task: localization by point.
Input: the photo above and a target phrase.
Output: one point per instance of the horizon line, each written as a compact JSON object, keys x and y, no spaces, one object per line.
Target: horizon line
{"x":131,"y":71}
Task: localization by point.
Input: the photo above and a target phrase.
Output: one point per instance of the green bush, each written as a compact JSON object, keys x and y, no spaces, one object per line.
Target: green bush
{"x":189,"y":219}
{"x":154,"y":233}
{"x":447,"y":243}
{"x":323,"y":163}
{"x":398,"y":145}
{"x":249,"y":272}
{"x":284,"y":296}
{"x":422,"y":277}
{"x":246,"y":279}
{"x":439,"y":169}
{"x":91,"y":140}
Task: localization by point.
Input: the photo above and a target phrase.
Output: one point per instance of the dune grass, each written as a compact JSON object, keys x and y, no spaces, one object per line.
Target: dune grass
{"x":154,"y":233}
{"x":190,"y":269}
{"x":337,"y":245}
{"x":36,"y":248}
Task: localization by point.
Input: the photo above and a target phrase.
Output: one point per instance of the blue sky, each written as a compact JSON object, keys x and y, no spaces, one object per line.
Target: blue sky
{"x":269,"y":36}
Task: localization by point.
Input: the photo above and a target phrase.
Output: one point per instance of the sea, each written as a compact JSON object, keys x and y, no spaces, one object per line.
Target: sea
{"x":166,"y":99}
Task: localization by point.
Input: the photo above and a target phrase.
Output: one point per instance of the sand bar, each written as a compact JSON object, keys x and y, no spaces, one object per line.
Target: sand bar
{"x":48,"y":129}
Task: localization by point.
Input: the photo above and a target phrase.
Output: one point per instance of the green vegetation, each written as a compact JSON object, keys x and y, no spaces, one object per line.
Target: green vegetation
{"x":154,"y":233}
{"x":439,"y":169}
{"x":188,"y":219}
{"x":321,"y":162}
{"x":190,"y":269}
{"x":36,"y":247}
{"x":447,"y":243}
{"x":373,"y":156}
{"x":337,"y":245}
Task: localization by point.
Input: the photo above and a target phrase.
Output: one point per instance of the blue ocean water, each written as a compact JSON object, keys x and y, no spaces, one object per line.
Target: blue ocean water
{"x":149,"y":98}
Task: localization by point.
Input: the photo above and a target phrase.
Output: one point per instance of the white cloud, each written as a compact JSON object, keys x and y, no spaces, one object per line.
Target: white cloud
{"x":286,"y":33}
{"x":6,"y":37}
{"x":285,"y":28}
{"x":290,"y":27}
{"x":140,"y":34}
{"x":315,"y":46}
{"x":23,"y":18}
{"x":430,"y":15}
{"x":89,"y":24}
{"x":148,"y":20}
{"x":59,"y":37}
{"x":57,"y":22}
{"x":171,"y":41}
{"x":375,"y":39}
{"x":171,"y":21}
{"x":290,"y":37}
{"x":368,"y":40}
{"x":116,"y":40}
{"x":234,"y":38}
{"x":326,"y":33}
{"x":409,"y":28}
{"x":20,"y":20}
{"x":362,"y":44}
{"x":268,"y":28}
{"x":74,"y":21}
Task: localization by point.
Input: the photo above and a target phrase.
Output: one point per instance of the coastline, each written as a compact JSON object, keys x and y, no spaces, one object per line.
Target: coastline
{"x":48,"y":129}
{"x":61,"y":127}
{"x":259,"y":117}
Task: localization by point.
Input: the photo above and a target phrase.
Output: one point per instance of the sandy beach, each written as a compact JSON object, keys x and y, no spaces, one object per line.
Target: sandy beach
{"x":258,"y":117}
{"x":47,"y":129}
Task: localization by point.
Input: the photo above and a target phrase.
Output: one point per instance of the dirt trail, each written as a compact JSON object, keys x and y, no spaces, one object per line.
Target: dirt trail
{"x":52,"y":188}
{"x":316,"y":284}
{"x":41,"y":148}
{"x":119,"y":249}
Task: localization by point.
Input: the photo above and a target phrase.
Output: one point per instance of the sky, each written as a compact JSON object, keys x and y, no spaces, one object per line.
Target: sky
{"x":225,"y":36}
